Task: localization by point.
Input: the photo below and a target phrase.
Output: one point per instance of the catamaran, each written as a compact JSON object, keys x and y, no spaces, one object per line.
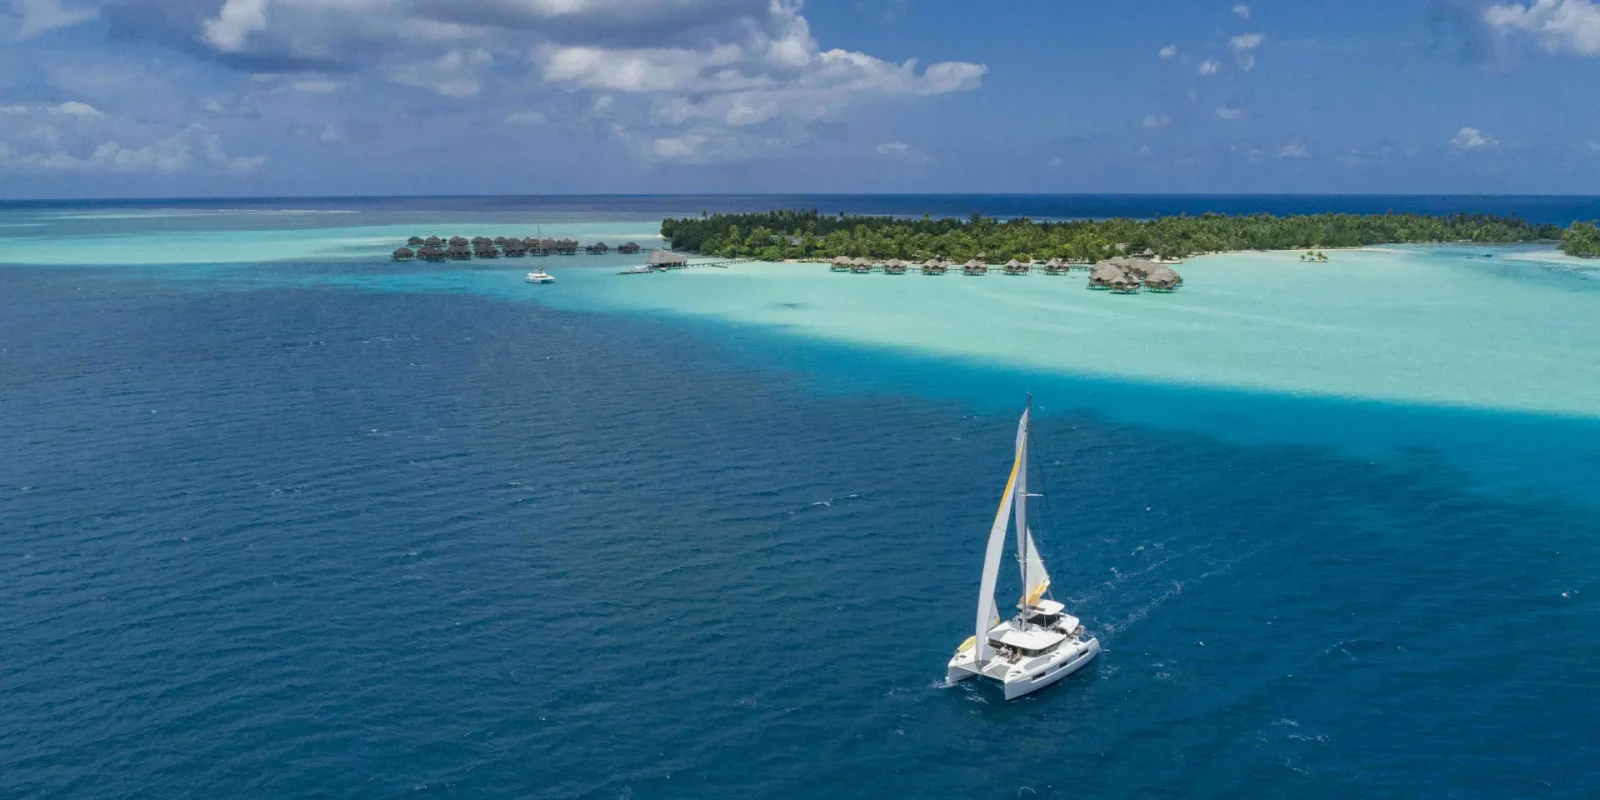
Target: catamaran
{"x":539,"y":276}
{"x":1041,"y":644}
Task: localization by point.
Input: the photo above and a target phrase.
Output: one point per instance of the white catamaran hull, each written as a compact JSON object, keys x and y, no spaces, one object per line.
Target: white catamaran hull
{"x":1027,"y":675}
{"x":1058,"y":665}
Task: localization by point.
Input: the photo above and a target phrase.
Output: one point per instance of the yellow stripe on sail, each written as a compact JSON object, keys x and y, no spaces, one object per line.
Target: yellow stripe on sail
{"x":967,"y":645}
{"x":1038,"y":592}
{"x":1011,"y":483}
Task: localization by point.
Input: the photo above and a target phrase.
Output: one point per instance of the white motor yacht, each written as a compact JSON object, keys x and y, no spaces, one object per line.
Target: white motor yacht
{"x":539,"y":276}
{"x":1041,"y":644}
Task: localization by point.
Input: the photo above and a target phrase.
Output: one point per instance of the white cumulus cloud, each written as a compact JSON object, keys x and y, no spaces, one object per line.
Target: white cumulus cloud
{"x":693,"y":80}
{"x":1242,"y":10}
{"x":1566,"y":27}
{"x":1170,"y":51}
{"x":74,"y":108}
{"x":1244,"y":49}
{"x":1230,"y":113}
{"x":1157,"y":120}
{"x":234,"y":23}
{"x":1209,"y":67}
{"x":194,"y":148}
{"x":1293,"y":151}
{"x":1471,"y":139}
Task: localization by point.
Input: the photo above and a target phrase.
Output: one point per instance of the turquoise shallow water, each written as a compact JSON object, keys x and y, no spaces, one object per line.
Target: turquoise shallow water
{"x":312,"y":522}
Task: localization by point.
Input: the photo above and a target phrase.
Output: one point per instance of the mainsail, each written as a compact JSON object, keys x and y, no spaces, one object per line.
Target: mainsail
{"x":987,"y":615}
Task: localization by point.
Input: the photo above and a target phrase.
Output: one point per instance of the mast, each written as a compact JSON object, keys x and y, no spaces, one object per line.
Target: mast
{"x":1022,"y":502}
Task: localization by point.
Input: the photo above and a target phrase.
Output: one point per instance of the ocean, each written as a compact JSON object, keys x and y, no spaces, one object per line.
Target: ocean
{"x":280,"y":517}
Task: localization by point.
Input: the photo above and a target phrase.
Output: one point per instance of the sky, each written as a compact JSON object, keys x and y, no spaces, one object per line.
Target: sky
{"x":180,"y":98}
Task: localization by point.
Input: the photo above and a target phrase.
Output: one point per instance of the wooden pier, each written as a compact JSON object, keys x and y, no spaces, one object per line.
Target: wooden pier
{"x":719,"y":264}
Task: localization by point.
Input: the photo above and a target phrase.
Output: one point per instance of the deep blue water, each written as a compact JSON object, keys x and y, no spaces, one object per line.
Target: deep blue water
{"x":283,"y":542}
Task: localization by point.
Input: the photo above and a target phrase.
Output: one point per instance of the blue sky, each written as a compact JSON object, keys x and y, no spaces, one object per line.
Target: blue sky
{"x":128,"y":98}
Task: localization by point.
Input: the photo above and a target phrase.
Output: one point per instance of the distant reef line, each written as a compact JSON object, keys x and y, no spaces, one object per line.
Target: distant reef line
{"x":806,"y":234}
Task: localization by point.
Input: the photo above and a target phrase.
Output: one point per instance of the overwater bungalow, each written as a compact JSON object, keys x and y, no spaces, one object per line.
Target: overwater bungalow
{"x":549,"y":245}
{"x":894,"y":267}
{"x":1055,"y":266}
{"x":486,"y":251}
{"x":433,"y":241}
{"x":459,"y":252}
{"x":404,"y":254}
{"x":666,"y":259}
{"x":1103,"y":274}
{"x":975,"y":267}
{"x":569,"y":247}
{"x":430,"y":253}
{"x":513,"y":249}
{"x":1125,"y":284}
{"x":457,"y":241}
{"x":860,"y":266}
{"x":597,"y":249}
{"x":1162,"y":279}
{"x":415,"y":240}
{"x":839,"y":264}
{"x":1015,"y":267}
{"x":934,"y":266}
{"x":499,"y":240}
{"x":629,"y":248}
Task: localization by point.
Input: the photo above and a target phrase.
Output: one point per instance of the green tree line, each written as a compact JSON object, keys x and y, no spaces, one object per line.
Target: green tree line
{"x":776,"y":235}
{"x":1582,"y":239}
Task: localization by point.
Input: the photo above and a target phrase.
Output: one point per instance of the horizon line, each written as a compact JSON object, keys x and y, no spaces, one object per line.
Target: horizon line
{"x":647,"y":195}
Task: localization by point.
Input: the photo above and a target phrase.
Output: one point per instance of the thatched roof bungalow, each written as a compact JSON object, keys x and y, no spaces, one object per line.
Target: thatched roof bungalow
{"x":860,"y":266}
{"x":433,"y":241}
{"x":894,"y":267}
{"x":598,"y":249}
{"x":457,"y":241}
{"x":629,"y":248}
{"x":404,"y":254}
{"x":415,"y":240}
{"x":975,"y":267}
{"x":1162,"y":279}
{"x":934,"y":266}
{"x":666,"y":259}
{"x":459,"y":252}
{"x":1136,"y":267}
{"x":486,"y":251}
{"x":499,"y":240}
{"x":1015,"y":267}
{"x":1104,"y":274}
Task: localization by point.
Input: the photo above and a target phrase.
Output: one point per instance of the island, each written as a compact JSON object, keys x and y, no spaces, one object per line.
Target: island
{"x":1582,"y":239}
{"x":807,"y":234}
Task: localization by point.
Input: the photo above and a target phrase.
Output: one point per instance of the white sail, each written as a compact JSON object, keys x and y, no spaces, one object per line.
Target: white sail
{"x":987,"y":615}
{"x":1037,"y":580}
